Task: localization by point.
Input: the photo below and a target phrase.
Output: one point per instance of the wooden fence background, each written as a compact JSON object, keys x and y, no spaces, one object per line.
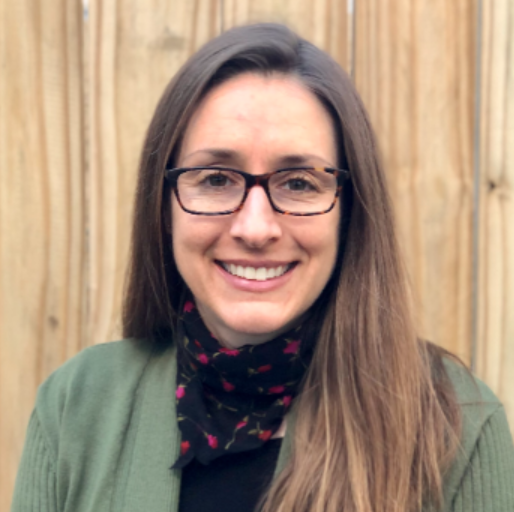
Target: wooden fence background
{"x":77,"y":89}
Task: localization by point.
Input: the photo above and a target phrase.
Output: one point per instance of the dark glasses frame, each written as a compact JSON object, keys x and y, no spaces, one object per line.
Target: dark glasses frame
{"x":251,"y":180}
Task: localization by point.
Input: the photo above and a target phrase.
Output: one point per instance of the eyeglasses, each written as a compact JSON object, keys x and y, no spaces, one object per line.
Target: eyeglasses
{"x":300,"y":191}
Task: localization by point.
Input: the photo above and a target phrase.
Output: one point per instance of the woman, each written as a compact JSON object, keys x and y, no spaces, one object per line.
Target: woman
{"x":271,"y":358}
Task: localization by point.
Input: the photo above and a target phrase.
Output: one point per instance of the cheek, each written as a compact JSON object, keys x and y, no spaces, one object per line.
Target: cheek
{"x":192,"y":236}
{"x":321,"y":240}
{"x":325,"y":258}
{"x":327,"y":254}
{"x":185,"y":239}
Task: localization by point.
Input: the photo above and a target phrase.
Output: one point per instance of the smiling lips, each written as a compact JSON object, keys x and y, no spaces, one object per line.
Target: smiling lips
{"x":256,"y":273}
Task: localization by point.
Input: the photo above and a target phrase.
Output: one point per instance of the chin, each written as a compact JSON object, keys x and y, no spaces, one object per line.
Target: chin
{"x":248,"y":324}
{"x":263,"y":327}
{"x":259,"y":328}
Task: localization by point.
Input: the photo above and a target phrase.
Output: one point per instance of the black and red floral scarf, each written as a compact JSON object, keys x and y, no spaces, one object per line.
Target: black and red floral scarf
{"x":233,"y":400}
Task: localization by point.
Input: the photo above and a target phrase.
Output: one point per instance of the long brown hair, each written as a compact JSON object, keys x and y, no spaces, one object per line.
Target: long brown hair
{"x":377,"y":420}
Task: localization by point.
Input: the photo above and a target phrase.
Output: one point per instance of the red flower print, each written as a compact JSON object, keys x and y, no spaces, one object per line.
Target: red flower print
{"x":241,"y":424}
{"x":265,"y":368}
{"x":276,"y":389}
{"x":180,"y":392}
{"x":265,"y":435}
{"x":184,"y":446}
{"x":198,"y":344}
{"x":227,"y":386}
{"x":203,"y":359}
{"x":213,"y":441}
{"x":287,"y":400}
{"x":189,"y":306}
{"x":229,"y":351}
{"x":292,"y":347}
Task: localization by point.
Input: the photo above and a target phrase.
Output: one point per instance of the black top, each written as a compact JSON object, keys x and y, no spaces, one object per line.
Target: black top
{"x":232,"y":483}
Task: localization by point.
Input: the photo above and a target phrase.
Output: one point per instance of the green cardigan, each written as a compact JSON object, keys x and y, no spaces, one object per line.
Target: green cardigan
{"x":104,"y":434}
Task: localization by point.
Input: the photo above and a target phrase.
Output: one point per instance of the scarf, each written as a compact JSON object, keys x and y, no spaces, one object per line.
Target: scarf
{"x":232,"y":400}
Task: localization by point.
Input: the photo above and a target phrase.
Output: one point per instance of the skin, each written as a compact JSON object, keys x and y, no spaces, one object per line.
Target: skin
{"x":257,"y":124}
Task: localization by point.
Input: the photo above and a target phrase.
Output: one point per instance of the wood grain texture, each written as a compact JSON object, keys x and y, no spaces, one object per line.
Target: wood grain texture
{"x":414,"y":65}
{"x":41,"y":209}
{"x":71,"y":135}
{"x":323,"y":22}
{"x":495,"y":354}
{"x":135,"y":48}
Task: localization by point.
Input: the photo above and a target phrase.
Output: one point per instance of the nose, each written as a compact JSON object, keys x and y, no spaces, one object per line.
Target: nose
{"x":256,"y":224}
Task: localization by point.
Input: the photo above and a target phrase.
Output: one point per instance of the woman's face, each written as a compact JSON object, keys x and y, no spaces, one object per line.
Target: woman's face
{"x":256,"y":124}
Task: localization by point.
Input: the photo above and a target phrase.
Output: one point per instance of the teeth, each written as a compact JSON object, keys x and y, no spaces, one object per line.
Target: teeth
{"x":260,"y":275}
{"x":255,"y":274}
{"x":249,"y":273}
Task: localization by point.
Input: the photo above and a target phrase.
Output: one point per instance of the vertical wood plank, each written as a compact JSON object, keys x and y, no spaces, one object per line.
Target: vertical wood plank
{"x":414,"y":68}
{"x":135,"y":48}
{"x":495,"y":354}
{"x":41,"y":209}
{"x":323,"y":22}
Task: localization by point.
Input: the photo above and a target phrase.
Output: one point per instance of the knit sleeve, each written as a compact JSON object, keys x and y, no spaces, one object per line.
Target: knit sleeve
{"x":488,"y":483}
{"x":35,"y":488}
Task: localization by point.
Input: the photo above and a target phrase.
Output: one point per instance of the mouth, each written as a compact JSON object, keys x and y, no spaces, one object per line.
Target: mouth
{"x":256,"y":273}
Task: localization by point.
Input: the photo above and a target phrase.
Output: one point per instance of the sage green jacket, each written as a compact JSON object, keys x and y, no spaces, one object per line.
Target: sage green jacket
{"x":104,"y":434}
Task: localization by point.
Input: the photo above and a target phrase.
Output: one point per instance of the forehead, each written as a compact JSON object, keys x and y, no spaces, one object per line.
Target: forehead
{"x":269,"y":114}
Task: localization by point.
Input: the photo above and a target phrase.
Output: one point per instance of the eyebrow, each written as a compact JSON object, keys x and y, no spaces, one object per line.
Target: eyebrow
{"x":218,"y":153}
{"x":291,"y":160}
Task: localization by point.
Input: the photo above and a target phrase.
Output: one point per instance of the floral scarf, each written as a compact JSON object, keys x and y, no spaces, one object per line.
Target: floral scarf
{"x":232,"y":400}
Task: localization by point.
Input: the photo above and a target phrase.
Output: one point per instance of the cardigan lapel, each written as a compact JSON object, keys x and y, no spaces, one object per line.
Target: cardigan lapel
{"x":151,"y":485}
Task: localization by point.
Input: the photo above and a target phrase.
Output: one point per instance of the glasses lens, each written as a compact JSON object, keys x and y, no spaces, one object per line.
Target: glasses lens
{"x":210,"y":190}
{"x":303,"y":190}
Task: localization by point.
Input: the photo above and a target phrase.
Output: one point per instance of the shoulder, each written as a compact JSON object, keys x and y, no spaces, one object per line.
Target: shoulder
{"x":478,"y":462}
{"x":99,"y":382}
{"x":96,"y":369}
{"x":476,"y":400}
{"x":470,"y":390}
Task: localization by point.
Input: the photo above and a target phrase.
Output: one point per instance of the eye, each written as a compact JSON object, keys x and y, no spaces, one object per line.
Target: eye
{"x":216,"y":180}
{"x":298,"y":185}
{"x":297,"y":181}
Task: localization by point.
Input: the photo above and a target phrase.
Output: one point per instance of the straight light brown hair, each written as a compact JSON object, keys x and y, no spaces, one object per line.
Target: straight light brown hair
{"x":377,"y":422}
